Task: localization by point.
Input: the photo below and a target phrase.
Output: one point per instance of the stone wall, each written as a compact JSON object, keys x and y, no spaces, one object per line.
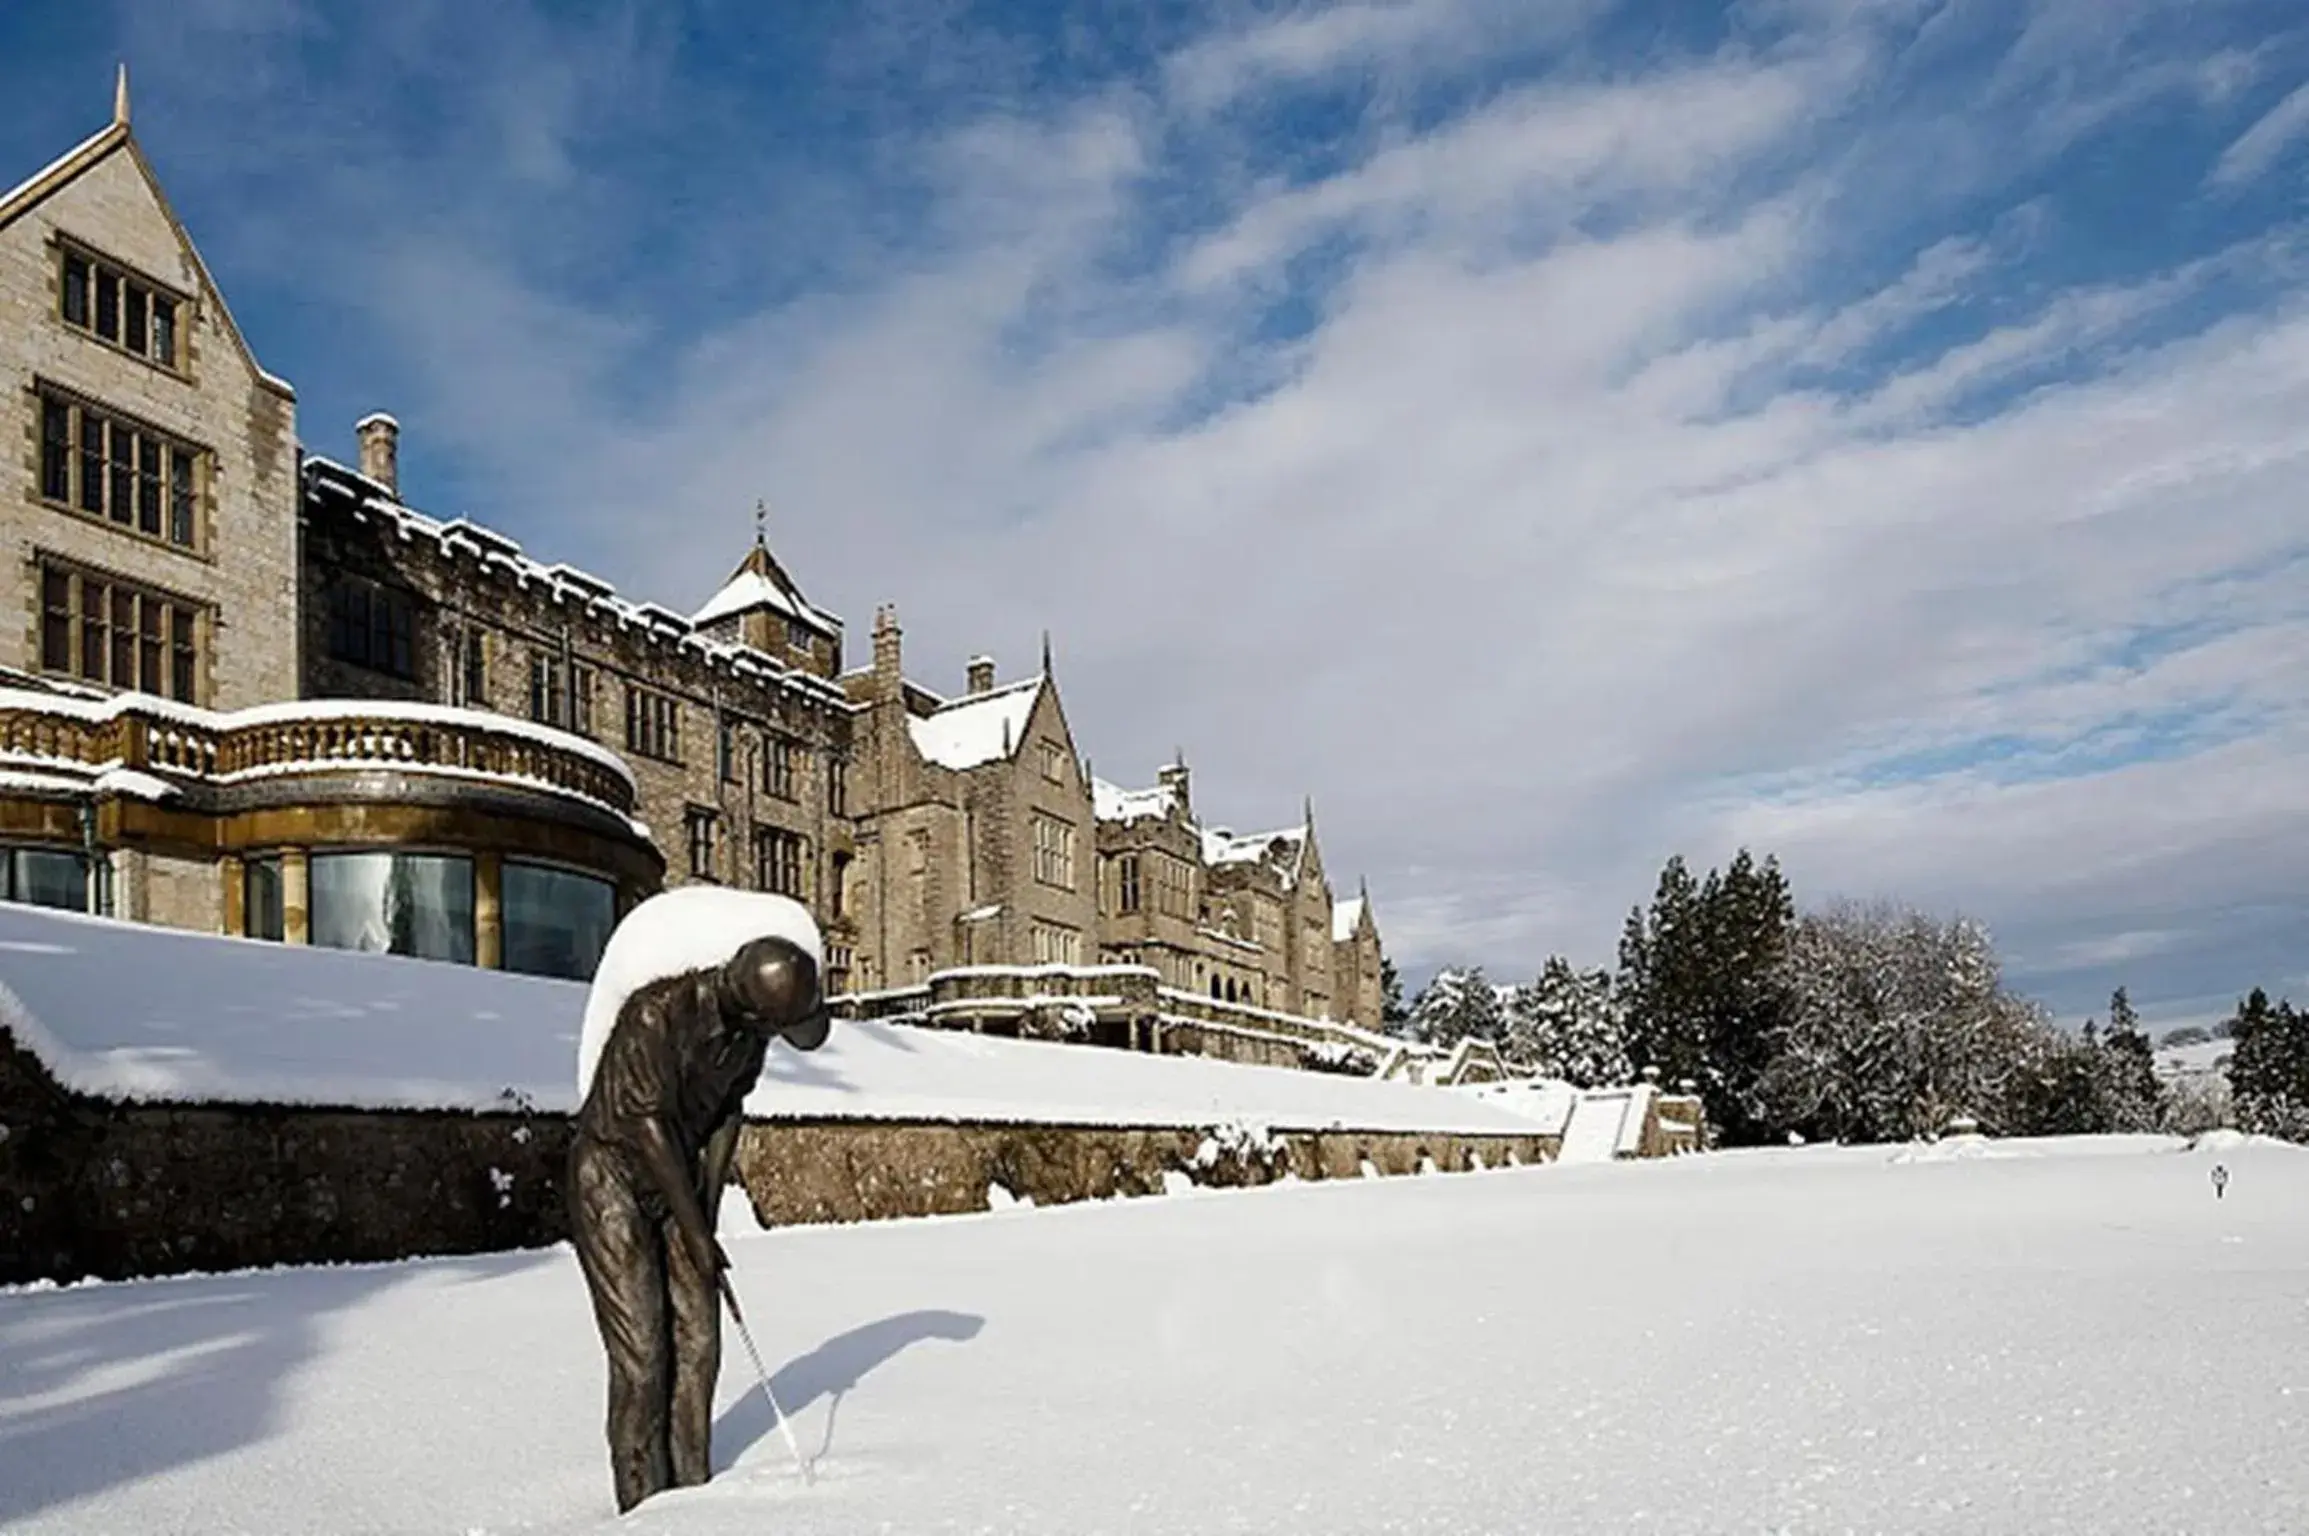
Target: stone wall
{"x":112,"y":1191}
{"x":826,"y":1171}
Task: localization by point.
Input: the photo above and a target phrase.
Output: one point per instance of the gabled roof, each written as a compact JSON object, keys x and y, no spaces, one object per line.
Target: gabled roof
{"x":85,"y":156}
{"x":760,"y":582}
{"x":980,"y":728}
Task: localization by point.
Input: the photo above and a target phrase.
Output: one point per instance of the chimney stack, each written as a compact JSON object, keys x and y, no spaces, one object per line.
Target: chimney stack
{"x":886,"y":655}
{"x":981,"y":674}
{"x":380,"y":437}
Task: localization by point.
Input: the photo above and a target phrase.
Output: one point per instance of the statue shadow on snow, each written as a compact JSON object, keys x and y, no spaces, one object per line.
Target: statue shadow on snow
{"x":102,"y":1386}
{"x":829,"y":1371}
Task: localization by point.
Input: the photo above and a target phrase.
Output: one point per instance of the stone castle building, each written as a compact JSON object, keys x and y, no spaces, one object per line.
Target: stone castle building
{"x":253,"y":692}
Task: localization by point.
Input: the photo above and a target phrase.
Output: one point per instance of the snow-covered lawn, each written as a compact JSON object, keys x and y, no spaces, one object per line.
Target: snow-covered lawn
{"x":2060,"y":1337}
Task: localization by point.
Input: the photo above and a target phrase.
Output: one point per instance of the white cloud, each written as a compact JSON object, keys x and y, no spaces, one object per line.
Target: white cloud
{"x":2259,"y":147}
{"x":1316,"y":42}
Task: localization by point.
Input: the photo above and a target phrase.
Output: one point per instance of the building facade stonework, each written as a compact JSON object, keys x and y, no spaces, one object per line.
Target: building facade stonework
{"x":251,"y":690}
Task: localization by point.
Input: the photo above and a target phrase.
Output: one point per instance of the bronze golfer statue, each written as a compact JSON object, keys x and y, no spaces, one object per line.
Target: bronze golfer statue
{"x":652,"y":1149}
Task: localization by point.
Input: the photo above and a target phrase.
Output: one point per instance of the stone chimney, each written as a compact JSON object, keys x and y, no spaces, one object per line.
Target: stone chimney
{"x":380,"y":437}
{"x":1174,"y":779}
{"x":886,"y":655}
{"x":981,"y":674}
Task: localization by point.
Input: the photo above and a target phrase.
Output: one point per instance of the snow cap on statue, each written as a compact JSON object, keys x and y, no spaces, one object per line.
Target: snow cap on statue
{"x":695,"y":927}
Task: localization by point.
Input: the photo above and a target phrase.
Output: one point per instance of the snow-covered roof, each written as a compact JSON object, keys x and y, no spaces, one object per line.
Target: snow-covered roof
{"x":750,"y":589}
{"x":1111,"y":802}
{"x":981,"y":728}
{"x":130,"y":1011}
{"x":562,"y":583}
{"x":1221,"y":846}
{"x":1344,"y":916}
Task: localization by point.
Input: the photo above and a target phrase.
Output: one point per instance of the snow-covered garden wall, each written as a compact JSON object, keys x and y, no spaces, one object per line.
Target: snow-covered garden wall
{"x":172,"y":1101}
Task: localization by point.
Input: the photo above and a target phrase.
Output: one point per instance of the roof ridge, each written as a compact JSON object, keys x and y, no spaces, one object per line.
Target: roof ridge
{"x":1004,"y":691}
{"x":22,"y":197}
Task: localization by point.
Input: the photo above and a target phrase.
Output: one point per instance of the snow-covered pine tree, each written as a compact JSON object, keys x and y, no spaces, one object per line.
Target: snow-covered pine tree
{"x":1455,"y":1005}
{"x":2269,"y":1071}
{"x":1568,"y":1024}
{"x":2135,"y":1097}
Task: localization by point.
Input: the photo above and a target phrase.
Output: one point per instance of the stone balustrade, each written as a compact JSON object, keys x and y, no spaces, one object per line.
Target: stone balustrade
{"x":173,"y":741}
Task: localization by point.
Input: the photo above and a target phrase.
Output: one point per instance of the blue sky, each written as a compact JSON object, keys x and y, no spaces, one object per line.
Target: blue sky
{"x":1554,"y":433}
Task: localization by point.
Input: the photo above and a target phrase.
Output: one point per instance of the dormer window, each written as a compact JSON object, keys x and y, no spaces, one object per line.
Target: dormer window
{"x":798,"y":636}
{"x":116,"y":307}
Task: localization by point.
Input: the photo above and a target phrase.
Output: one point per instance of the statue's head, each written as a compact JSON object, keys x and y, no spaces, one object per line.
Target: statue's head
{"x":771,"y":986}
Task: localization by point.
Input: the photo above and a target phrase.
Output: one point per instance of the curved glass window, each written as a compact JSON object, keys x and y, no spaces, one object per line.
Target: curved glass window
{"x":44,"y":877}
{"x":555,"y":922}
{"x":417,"y":904}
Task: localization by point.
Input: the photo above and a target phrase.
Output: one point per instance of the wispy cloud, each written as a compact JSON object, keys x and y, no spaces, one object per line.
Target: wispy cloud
{"x":2261,"y":146}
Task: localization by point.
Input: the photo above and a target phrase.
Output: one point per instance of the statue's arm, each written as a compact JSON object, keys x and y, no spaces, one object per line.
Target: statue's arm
{"x":721,"y":1149}
{"x":663,"y":1159}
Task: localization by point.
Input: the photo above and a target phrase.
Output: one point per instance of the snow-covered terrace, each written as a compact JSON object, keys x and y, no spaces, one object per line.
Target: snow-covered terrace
{"x":127,"y":1011}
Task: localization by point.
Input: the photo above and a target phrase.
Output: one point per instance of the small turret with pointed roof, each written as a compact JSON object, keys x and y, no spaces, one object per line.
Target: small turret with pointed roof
{"x":763,"y":606}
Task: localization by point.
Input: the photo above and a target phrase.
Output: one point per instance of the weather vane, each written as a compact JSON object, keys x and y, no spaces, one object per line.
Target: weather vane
{"x":761,"y":522}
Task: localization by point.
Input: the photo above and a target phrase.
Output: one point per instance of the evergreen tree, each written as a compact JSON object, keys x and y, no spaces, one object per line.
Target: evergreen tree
{"x":1700,"y":975}
{"x":2269,"y":1071}
{"x":2064,"y":1088}
{"x":1655,"y":980}
{"x":1392,"y":1014}
{"x":2134,"y":1097}
{"x":1567,"y":1024}
{"x":1454,"y":1006}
